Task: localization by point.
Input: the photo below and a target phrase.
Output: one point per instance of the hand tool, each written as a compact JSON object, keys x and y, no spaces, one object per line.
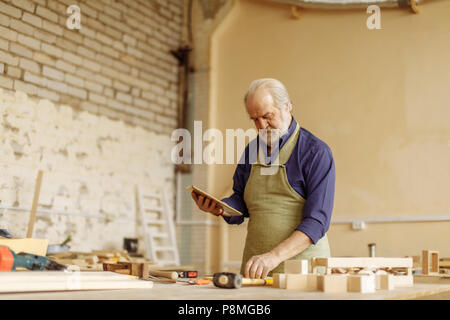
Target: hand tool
{"x":9,"y":261}
{"x":166,"y":274}
{"x":230,"y":280}
{"x":156,"y":279}
{"x":199,"y":281}
{"x":185,"y":274}
{"x":5,"y":233}
{"x":195,"y":281}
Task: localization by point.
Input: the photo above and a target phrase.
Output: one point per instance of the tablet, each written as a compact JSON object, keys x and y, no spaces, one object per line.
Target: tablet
{"x":229,"y":211}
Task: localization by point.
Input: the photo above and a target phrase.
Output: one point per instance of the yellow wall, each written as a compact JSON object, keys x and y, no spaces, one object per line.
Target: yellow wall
{"x":379,"y":98}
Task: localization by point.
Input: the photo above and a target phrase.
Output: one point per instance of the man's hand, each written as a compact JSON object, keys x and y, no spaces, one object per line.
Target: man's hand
{"x":207,"y":204}
{"x":258,"y":267}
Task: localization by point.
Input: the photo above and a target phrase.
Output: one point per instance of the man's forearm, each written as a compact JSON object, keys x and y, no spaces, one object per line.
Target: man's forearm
{"x":293,"y":245}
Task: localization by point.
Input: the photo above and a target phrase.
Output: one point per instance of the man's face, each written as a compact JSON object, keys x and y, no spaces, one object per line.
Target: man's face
{"x":267,"y":116}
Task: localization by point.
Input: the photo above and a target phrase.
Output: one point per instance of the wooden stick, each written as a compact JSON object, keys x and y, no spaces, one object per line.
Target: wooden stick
{"x":37,"y":191}
{"x":165,"y":274}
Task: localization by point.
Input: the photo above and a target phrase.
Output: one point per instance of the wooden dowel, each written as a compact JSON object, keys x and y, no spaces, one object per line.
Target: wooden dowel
{"x":37,"y":191}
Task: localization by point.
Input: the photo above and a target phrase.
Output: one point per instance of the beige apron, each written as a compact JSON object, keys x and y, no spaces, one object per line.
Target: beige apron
{"x":275,"y":210}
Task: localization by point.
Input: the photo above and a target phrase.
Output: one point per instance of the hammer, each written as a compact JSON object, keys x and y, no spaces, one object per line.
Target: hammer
{"x":230,"y":280}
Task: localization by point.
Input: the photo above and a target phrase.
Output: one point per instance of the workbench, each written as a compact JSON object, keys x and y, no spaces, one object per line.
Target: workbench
{"x":183,"y":291}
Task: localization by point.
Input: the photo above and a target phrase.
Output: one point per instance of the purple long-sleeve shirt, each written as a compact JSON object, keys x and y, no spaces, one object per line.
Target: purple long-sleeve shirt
{"x":310,"y":171}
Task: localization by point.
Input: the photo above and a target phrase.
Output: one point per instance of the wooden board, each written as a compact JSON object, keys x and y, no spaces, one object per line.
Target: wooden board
{"x":32,"y":281}
{"x":363,"y":262}
{"x":423,"y":278}
{"x":229,"y":211}
{"x":28,"y":245}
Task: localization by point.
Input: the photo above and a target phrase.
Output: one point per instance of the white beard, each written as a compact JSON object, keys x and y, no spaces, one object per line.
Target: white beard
{"x":275,"y":134}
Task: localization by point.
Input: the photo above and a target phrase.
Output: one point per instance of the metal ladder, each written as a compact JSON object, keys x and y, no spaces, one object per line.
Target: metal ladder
{"x":159,"y":229}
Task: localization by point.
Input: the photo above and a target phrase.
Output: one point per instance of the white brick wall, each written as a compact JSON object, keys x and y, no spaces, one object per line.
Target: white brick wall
{"x":91,"y":165}
{"x":120,"y":53}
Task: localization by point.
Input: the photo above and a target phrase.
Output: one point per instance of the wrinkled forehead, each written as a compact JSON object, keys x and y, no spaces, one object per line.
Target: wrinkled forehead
{"x":260,"y":103}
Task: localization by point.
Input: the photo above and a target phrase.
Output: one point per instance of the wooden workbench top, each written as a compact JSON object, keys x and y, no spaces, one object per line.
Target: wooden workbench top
{"x":182,"y":291}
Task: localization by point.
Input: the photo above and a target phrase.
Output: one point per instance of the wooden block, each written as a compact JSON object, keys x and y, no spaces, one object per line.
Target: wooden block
{"x":440,"y":279}
{"x":297,"y":281}
{"x":430,"y":258}
{"x":28,"y":245}
{"x":136,"y":269}
{"x":361,"y":283}
{"x":403,"y":281}
{"x":312,"y":282}
{"x":145,"y":271}
{"x":416,"y":262}
{"x":279,"y":280}
{"x":444,"y":263}
{"x":384,"y":282}
{"x":296,"y":267}
{"x":332,"y":283}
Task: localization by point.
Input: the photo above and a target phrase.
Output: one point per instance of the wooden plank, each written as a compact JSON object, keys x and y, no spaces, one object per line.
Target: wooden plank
{"x":28,"y":281}
{"x":37,"y":192}
{"x":67,"y":286}
{"x":33,"y":246}
{"x":362,"y":262}
{"x":37,"y":276}
{"x":438,"y":279}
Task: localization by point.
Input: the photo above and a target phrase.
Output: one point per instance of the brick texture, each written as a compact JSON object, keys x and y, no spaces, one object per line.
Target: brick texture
{"x":91,"y":165}
{"x":118,"y":64}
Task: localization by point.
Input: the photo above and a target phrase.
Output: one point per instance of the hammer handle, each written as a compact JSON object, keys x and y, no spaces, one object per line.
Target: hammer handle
{"x":253,"y":282}
{"x":165,"y":274}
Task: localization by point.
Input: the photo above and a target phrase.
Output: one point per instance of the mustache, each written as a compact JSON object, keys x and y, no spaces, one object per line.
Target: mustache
{"x":269,"y":129}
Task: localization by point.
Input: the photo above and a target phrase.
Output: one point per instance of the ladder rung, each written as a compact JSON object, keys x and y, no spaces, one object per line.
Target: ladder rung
{"x":156,"y":222}
{"x":164,"y":249}
{"x":159,"y":235}
{"x":152,"y":196}
{"x":159,"y":209}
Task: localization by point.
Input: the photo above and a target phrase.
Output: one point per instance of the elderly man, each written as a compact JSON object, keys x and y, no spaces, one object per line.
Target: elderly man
{"x":289,"y":210}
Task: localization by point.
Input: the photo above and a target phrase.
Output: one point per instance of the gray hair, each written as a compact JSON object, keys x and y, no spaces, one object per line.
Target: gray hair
{"x":276,"y":89}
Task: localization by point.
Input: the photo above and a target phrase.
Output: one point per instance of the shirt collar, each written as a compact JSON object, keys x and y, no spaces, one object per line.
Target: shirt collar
{"x":289,"y":133}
